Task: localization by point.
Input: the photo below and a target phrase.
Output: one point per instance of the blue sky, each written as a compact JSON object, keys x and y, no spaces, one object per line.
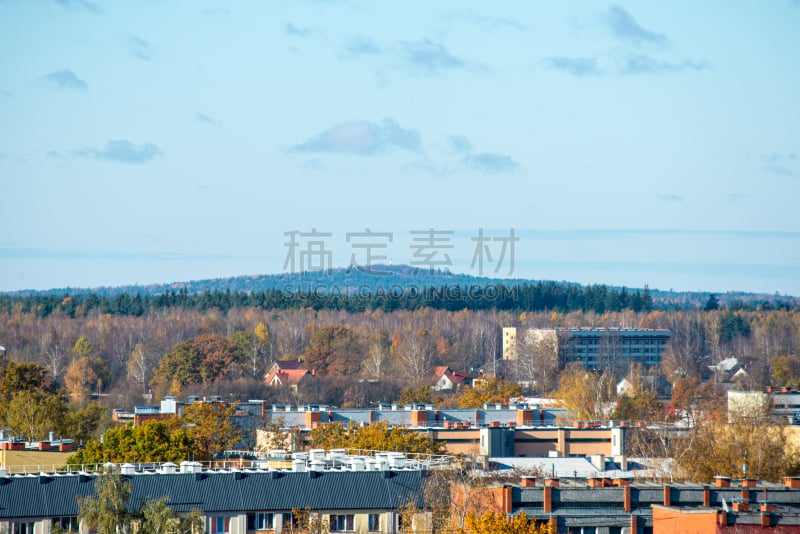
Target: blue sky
{"x":628,"y":143}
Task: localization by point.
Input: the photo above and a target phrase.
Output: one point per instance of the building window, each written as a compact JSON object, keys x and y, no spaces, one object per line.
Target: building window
{"x":374,"y":522}
{"x":65,"y":523}
{"x":260,"y":521}
{"x":22,"y":527}
{"x":219,"y":524}
{"x":342,"y":523}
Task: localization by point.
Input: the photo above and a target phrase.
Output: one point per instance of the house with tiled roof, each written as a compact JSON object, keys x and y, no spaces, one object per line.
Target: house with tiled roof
{"x":447,"y":379}
{"x":288,"y":373}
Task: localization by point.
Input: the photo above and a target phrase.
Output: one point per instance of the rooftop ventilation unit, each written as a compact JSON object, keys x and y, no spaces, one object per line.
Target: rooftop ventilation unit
{"x":168,"y":468}
{"x":191,"y":467}
{"x":127,"y":469}
{"x":299,"y":466}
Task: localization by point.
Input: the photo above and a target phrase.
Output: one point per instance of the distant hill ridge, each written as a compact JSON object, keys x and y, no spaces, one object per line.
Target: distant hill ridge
{"x":385,"y":278}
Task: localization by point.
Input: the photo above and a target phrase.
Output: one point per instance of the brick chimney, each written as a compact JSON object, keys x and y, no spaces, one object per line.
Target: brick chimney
{"x":792,"y":482}
{"x":524,"y":418}
{"x":667,"y":495}
{"x":723,"y":482}
{"x":548,"y":498}
{"x":528,"y":482}
{"x":722,"y":518}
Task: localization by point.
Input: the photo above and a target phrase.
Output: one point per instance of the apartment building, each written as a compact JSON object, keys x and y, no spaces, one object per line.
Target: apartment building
{"x":344,"y":495}
{"x":594,"y":348}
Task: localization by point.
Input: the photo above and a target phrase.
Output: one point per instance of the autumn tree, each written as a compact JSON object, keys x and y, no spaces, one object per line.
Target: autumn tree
{"x":334,"y":350}
{"x":202,"y":359}
{"x":378,"y":436}
{"x":106,"y":512}
{"x":152,"y":441}
{"x":210,"y":426}
{"x":140,"y":366}
{"x":785,"y":371}
{"x":304,"y":521}
{"x":586,"y":395}
{"x":54,"y":352}
{"x":156,"y":517}
{"x":692,"y":398}
{"x":82,"y":423}
{"x":82,"y":348}
{"x":424,"y":394}
{"x":35,"y":413}
{"x":248,"y":352}
{"x":86,"y":375}
{"x":536,"y":361}
{"x":750,"y":445}
{"x":264,"y":336}
{"x":491,"y":390}
{"x":414,"y":356}
{"x":638,"y":402}
{"x":376,"y":364}
{"x":18,"y":377}
{"x":495,"y":523}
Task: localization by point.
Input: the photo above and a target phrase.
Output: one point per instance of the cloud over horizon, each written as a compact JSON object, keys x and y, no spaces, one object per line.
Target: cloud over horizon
{"x":642,"y":64}
{"x":490,"y":163}
{"x":202,"y":117}
{"x":576,"y":66}
{"x":79,"y":4}
{"x":488,"y":22}
{"x":625,"y":28}
{"x":140,"y":48}
{"x":670,"y":197}
{"x":362,"y":138}
{"x":361,"y":46}
{"x":428,"y":58}
{"x":460,"y":144}
{"x":65,"y":79}
{"x":777,"y":163}
{"x":122,"y":151}
{"x":296,"y":31}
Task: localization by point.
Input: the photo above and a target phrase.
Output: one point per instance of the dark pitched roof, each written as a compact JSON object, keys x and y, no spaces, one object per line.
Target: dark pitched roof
{"x":29,"y":497}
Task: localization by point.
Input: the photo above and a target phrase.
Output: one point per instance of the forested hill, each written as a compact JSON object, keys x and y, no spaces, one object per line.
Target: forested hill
{"x":353,"y":288}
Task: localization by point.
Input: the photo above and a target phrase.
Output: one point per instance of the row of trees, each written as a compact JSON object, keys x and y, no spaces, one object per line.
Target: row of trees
{"x":539,"y":296}
{"x":108,"y":512}
{"x":204,"y":430}
{"x":32,"y":406}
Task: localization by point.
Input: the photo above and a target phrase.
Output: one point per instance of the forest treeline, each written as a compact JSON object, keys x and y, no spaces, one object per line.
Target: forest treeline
{"x":541,"y":296}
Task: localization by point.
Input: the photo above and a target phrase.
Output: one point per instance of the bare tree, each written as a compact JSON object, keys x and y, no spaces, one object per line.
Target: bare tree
{"x":414,"y":356}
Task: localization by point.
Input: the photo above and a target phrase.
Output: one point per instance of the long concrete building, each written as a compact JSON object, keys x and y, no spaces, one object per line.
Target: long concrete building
{"x":594,"y":348}
{"x":494,"y":430}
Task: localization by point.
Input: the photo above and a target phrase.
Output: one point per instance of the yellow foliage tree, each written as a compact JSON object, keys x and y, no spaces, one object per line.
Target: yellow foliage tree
{"x":492,"y":523}
{"x":377,"y":436}
{"x":493,"y":390}
{"x":586,"y":395}
{"x":750,"y":445}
